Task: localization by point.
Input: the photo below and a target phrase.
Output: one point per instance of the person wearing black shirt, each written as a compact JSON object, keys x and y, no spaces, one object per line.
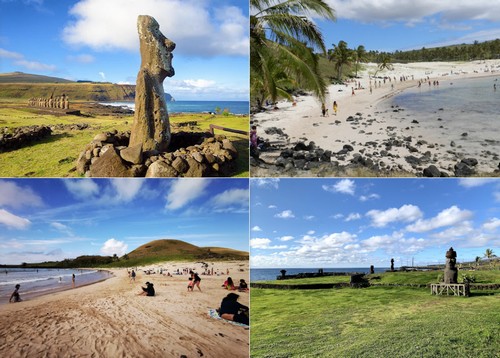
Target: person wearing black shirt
{"x":232,"y":310}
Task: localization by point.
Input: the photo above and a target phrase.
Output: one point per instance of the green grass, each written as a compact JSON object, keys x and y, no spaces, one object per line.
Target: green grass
{"x":56,"y":155}
{"x":313,"y":280}
{"x":373,"y":322}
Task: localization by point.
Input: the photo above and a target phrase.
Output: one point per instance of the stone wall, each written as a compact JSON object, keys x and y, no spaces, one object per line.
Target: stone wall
{"x":15,"y":138}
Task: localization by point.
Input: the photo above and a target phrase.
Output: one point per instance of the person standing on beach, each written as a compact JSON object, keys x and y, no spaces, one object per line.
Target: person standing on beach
{"x":132,"y":275}
{"x":352,"y":88}
{"x":335,"y":107}
{"x":15,"y":295}
{"x":196,"y":279}
{"x":323,"y":109}
{"x":73,"y":279}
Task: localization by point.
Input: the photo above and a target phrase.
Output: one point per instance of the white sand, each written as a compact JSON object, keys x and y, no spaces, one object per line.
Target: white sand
{"x":109,"y":319}
{"x":304,"y":122}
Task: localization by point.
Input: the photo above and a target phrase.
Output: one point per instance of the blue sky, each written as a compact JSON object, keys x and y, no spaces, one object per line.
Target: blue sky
{"x":361,"y":222}
{"x":389,"y":25}
{"x":54,"y":219}
{"x":97,"y":40}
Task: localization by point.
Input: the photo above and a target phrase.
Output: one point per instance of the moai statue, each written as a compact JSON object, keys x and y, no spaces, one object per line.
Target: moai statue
{"x":66,"y":103}
{"x":151,"y":126}
{"x":392,"y":264}
{"x":450,"y":271}
{"x":63,"y":101}
{"x":283,"y":273}
{"x":51,"y":102}
{"x":372,"y":269}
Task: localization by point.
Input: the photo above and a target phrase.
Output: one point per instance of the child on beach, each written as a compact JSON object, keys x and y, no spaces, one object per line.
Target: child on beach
{"x":190,"y":284}
{"x":335,"y":107}
{"x":15,"y":295}
{"x":229,"y":284}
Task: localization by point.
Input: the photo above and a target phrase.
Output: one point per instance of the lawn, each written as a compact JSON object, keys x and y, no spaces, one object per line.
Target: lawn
{"x":56,"y":155}
{"x":376,"y":321}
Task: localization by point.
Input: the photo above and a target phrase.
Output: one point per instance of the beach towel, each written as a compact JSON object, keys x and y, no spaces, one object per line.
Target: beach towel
{"x":213,"y":313}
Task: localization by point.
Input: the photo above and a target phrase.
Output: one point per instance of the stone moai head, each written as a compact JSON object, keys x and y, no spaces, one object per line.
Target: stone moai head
{"x":156,"y":49}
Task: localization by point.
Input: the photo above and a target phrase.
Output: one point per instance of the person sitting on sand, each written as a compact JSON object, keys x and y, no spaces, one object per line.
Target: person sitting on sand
{"x":149,"y":290}
{"x":243,"y":287}
{"x":232,"y":310}
{"x":15,"y":295}
{"x":229,"y":284}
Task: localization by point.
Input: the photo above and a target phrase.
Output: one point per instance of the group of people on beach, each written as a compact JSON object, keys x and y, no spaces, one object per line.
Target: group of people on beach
{"x":229,"y":285}
{"x":324,"y":110}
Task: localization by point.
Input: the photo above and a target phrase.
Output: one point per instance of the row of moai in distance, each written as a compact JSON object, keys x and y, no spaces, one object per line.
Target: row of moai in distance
{"x":61,"y":102}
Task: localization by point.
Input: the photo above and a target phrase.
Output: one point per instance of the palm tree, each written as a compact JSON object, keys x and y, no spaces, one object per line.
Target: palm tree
{"x":385,"y":63}
{"x":489,"y":254}
{"x":477,"y":260}
{"x":282,"y":44}
{"x":360,"y":56}
{"x":341,"y":56}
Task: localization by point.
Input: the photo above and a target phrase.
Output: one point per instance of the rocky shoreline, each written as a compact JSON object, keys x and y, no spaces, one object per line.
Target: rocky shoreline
{"x":396,"y":154}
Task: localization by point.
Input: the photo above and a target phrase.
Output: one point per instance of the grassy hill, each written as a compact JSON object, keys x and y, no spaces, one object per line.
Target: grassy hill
{"x":176,"y":250}
{"x":21,"y":85}
{"x":21,"y":77}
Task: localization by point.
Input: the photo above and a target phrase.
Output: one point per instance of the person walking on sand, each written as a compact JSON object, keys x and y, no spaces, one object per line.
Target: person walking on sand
{"x":15,"y":295}
{"x":132,"y":276}
{"x":323,"y":109}
{"x":335,"y":107}
{"x":353,"y":93}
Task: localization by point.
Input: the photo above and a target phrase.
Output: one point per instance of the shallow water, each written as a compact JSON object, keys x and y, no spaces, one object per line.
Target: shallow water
{"x":469,"y":106}
{"x":37,"y":282}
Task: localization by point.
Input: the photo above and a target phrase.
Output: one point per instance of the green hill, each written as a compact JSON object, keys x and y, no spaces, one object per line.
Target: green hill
{"x":18,"y":85}
{"x":176,"y":250}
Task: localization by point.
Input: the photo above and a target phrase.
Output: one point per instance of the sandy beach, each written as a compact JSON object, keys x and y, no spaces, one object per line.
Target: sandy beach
{"x":380,"y":135}
{"x":109,"y":319}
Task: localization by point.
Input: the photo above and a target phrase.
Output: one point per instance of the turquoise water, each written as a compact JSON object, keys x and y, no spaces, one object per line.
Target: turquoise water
{"x":235,"y":107}
{"x":37,"y":282}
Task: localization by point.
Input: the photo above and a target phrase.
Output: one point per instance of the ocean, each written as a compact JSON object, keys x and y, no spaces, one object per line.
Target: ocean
{"x":260,"y":274}
{"x":234,"y":107}
{"x":464,"y":106}
{"x":38,"y":282}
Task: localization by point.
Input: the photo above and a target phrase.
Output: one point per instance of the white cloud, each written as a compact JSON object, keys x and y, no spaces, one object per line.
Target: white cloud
{"x":198,"y":28}
{"x":264,"y":244}
{"x":16,"y":196}
{"x":256,"y":228}
{"x":447,"y":217}
{"x":62,"y":228}
{"x":19,"y":60}
{"x":272,"y":207}
{"x":185,"y":190}
{"x":475,"y":182}
{"x":82,"y":188}
{"x":492,"y":224}
{"x":326,"y":245}
{"x":311,"y":232}
{"x":13,"y":221}
{"x":286,"y":238}
{"x":126,"y":189}
{"x":405,"y":213}
{"x":10,"y":55}
{"x":265,"y":182}
{"x":369,"y":197}
{"x":285,"y":214}
{"x":113,"y":246}
{"x":344,"y":186}
{"x":83,"y":58}
{"x":103,"y":76}
{"x":238,"y":198}
{"x":353,"y":216}
{"x":411,"y":12}
{"x":337,"y":216}
{"x":309,"y":217}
